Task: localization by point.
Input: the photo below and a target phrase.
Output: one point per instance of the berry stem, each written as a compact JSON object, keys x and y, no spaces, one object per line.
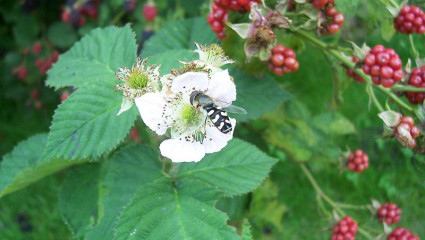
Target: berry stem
{"x":347,"y":62}
{"x":321,"y":194}
{"x":351,"y":206}
{"x":369,"y":90}
{"x":117,"y":17}
{"x":414,"y":50}
{"x":403,"y":88}
{"x":385,"y":2}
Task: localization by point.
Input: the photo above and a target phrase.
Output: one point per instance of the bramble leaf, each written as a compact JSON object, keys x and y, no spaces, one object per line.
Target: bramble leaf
{"x":24,"y":165}
{"x":95,"y":58}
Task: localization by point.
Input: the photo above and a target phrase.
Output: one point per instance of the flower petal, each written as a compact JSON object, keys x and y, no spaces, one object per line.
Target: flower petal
{"x":125,"y":105}
{"x":222,"y":88}
{"x":216,"y":140}
{"x":182,"y":151}
{"x":189,"y":82}
{"x":151,"y":107}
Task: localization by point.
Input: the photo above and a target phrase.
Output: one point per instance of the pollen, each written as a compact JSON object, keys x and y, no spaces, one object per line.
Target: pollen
{"x":190,"y":115}
{"x":137,"y":79}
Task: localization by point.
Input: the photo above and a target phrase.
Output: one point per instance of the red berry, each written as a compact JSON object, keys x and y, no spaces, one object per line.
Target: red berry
{"x":38,"y":105}
{"x":345,"y":229}
{"x":64,"y":95}
{"x":389,"y":213}
{"x":283,"y":60}
{"x":351,"y":73}
{"x":402,"y":234}
{"x":21,"y":72}
{"x":358,"y":161}
{"x":410,"y":19}
{"x":35,"y":94}
{"x":384,"y":66}
{"x":134,"y":134}
{"x":149,"y":12}
{"x":36,"y":48}
{"x":417,"y":79}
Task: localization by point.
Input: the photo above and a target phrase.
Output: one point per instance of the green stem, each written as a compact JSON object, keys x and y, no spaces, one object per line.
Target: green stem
{"x":334,"y":205}
{"x":347,"y":62}
{"x":403,"y":88}
{"x":117,"y":17}
{"x":375,"y":101}
{"x":412,"y":44}
{"x":351,"y":206}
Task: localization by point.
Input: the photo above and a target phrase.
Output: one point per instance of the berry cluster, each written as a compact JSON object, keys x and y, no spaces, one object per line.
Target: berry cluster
{"x":45,"y":64}
{"x":358,"y":161}
{"x":129,"y":5}
{"x":75,"y":12}
{"x":320,"y":4}
{"x":334,"y":20}
{"x":350,"y":72}
{"x":410,"y":19}
{"x":283,"y":60}
{"x":236,"y":5}
{"x":389,"y":212}
{"x":216,"y":19}
{"x":417,"y":79}
{"x":219,"y":11}
{"x":35,"y":96}
{"x":402,"y":234}
{"x":384,"y":66}
{"x":20,"y":71}
{"x":345,"y":229}
{"x":149,"y":12}
{"x":408,"y":124}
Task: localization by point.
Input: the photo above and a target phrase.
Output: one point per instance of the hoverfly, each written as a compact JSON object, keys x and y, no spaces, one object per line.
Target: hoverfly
{"x":216,"y":114}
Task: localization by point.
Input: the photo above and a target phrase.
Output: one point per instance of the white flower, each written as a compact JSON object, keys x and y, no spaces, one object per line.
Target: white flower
{"x":212,"y":57}
{"x":138,"y":80}
{"x":192,"y":133}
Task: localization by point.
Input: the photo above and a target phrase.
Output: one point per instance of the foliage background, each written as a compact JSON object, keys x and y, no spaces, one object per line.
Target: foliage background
{"x":285,"y":206}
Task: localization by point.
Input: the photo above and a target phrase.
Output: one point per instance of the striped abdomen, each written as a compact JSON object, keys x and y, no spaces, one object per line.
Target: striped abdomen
{"x":218,"y":117}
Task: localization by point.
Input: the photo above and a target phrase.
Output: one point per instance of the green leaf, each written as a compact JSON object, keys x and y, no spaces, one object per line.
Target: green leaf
{"x":62,"y":35}
{"x":180,"y":35}
{"x":183,"y":211}
{"x":333,"y":123}
{"x":95,"y":59}
{"x":26,"y":30}
{"x":86,"y":125}
{"x":80,"y":190}
{"x":170,"y":59}
{"x":128,"y":169}
{"x":239,"y":161}
{"x":257,"y":96}
{"x":24,"y":165}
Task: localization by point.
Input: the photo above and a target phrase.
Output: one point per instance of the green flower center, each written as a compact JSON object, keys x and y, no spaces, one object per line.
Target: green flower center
{"x":138,"y":79}
{"x":190,"y":115}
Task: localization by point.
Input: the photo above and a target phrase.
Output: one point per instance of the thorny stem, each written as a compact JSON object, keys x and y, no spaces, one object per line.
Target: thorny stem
{"x":334,"y":205}
{"x":402,"y":88}
{"x":347,"y":62}
{"x":351,"y":206}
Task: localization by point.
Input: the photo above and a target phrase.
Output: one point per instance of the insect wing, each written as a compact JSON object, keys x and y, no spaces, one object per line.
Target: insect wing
{"x":235,"y":109}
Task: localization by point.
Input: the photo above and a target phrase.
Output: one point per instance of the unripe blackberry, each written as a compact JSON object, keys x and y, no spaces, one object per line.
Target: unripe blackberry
{"x":358,"y":161}
{"x":389,"y":213}
{"x":410,"y":19}
{"x":407,"y":123}
{"x":345,"y":229}
{"x":402,"y":234}
{"x":417,"y":79}
{"x":149,"y":12}
{"x":283,"y":60}
{"x":384,"y":66}
{"x":36,"y":48}
{"x":350,"y":72}
{"x":334,"y":20}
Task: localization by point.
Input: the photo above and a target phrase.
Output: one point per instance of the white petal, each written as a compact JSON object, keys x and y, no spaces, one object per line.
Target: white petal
{"x":222,"y":88}
{"x":182,"y":151}
{"x":151,"y":107}
{"x":190,"y":81}
{"x":216,"y":140}
{"x":125,"y":105}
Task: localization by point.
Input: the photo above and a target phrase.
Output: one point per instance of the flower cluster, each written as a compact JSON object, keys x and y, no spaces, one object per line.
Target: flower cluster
{"x":169,"y":104}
